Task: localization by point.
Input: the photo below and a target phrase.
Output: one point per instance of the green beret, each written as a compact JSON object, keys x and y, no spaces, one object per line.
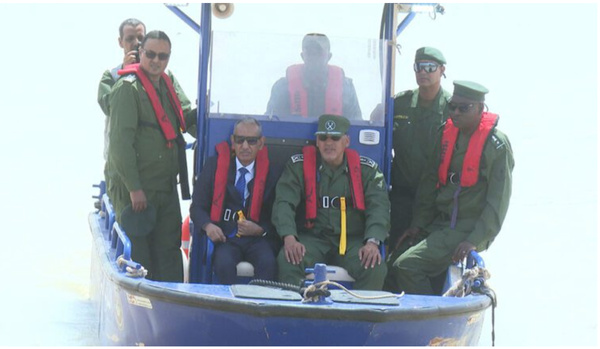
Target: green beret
{"x":470,"y":90}
{"x":138,"y":223}
{"x":430,"y":54}
{"x":332,"y":125}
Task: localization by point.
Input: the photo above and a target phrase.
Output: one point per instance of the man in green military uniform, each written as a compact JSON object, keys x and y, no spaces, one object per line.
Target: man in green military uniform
{"x":417,"y":116}
{"x":146,"y":153}
{"x":332,"y":207}
{"x":464,"y":195}
{"x":131,"y":34}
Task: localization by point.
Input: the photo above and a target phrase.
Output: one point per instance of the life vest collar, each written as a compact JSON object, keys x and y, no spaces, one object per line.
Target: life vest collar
{"x":299,"y":96}
{"x":470,"y":170}
{"x":310,"y":181}
{"x":159,"y":112}
{"x":261,"y":170}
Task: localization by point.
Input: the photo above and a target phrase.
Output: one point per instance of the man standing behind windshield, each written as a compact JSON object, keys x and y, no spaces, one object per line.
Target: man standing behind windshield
{"x":315,"y":87}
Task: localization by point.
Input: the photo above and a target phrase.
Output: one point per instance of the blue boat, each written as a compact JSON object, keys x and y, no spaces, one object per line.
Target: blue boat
{"x":237,"y":70}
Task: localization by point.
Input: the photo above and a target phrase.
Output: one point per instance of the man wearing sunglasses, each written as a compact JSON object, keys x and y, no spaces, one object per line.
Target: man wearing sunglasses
{"x":314,"y":87}
{"x":148,"y":113}
{"x":463,"y":196}
{"x":417,"y":115}
{"x":332,"y":207}
{"x":232,"y":204}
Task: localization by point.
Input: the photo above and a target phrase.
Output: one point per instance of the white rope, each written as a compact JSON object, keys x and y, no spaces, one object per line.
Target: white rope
{"x":322,"y":286}
{"x":463,"y":286}
{"x":130,"y":271}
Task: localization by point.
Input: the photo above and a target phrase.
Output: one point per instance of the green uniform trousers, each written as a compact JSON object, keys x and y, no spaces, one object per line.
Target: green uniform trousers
{"x":321,"y":249}
{"x":411,"y":271}
{"x":159,"y":251}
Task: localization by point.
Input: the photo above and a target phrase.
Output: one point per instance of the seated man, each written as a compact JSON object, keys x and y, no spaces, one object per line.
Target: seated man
{"x":314,"y":88}
{"x":463,"y":196}
{"x":232,"y":203}
{"x":332,"y":207}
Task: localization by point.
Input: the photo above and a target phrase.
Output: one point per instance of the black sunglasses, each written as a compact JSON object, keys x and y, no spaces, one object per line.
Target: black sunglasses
{"x":152,"y":54}
{"x":241,"y":139}
{"x":463,"y":107}
{"x":323,"y":138}
{"x":428,"y":67}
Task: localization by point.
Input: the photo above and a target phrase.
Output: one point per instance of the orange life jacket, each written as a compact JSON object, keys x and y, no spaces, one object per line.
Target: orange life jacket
{"x":260,"y":180}
{"x":470,"y":169}
{"x":310,"y":181}
{"x":161,"y":115}
{"x":298,"y":95}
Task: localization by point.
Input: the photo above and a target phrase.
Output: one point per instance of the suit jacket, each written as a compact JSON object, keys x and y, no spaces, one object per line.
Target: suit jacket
{"x":203,"y":196}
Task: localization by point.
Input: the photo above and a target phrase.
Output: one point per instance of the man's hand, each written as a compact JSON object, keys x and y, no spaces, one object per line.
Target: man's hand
{"x":249,"y":228}
{"x":462,"y":250}
{"x":369,"y":255}
{"x":138,"y":200}
{"x":410,"y":234}
{"x":214,"y":233}
{"x":130,"y":58}
{"x":294,"y":250}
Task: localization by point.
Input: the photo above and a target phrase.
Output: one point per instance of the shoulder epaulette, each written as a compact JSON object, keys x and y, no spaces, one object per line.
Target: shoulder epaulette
{"x":368,"y":162}
{"x":297,"y":158}
{"x":498,"y":143}
{"x":407,"y":93}
{"x":130,"y":78}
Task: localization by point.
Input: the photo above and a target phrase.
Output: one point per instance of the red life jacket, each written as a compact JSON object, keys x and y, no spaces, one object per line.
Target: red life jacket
{"x":260,"y":179}
{"x":161,"y":116}
{"x":310,"y":181}
{"x":470,"y":170}
{"x":298,"y":95}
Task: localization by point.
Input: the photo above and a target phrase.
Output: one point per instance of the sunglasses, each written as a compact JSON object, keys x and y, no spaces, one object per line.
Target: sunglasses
{"x":152,"y":54}
{"x":463,"y":108}
{"x":323,"y":138}
{"x":241,"y":139}
{"x":428,"y":67}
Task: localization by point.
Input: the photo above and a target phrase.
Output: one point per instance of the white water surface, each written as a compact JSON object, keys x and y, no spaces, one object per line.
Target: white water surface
{"x":540,"y":62}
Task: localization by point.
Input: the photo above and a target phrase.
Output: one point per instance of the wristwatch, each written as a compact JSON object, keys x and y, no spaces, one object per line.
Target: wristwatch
{"x":375,"y":241}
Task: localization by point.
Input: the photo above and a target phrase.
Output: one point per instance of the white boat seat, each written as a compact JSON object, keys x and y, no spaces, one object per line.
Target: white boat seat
{"x":340,"y":274}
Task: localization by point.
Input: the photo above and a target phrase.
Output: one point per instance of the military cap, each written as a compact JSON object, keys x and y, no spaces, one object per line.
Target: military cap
{"x":332,"y":125}
{"x":138,"y":223}
{"x":430,"y":54}
{"x":470,"y":90}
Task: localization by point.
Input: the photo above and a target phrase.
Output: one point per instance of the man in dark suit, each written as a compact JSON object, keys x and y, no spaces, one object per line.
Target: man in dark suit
{"x":232,"y":204}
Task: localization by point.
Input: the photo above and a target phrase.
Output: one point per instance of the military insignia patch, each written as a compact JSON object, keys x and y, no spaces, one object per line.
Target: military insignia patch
{"x":400,"y":117}
{"x":296,"y":158}
{"x":368,"y":161}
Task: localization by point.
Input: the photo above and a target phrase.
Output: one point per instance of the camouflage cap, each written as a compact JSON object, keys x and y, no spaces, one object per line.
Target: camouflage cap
{"x":430,"y":54}
{"x":332,"y":125}
{"x":138,"y":223}
{"x":470,"y":90}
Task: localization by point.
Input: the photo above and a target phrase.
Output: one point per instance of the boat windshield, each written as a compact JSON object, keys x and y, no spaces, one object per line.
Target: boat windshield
{"x":293,"y":77}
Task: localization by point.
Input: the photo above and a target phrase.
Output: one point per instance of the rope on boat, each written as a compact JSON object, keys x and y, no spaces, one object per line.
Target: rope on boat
{"x":474,"y":280}
{"x":129,"y":270}
{"x":323,"y":286}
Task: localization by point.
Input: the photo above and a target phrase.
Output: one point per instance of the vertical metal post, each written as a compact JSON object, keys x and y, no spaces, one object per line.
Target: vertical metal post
{"x":202,"y":116}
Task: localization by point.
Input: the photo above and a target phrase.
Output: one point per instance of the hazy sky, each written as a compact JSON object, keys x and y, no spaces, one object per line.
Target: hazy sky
{"x":539,"y":61}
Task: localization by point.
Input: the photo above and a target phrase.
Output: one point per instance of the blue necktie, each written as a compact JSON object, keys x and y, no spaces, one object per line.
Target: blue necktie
{"x":240,"y":185}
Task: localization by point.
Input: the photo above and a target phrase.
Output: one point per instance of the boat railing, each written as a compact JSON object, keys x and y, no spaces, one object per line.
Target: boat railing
{"x":121,"y":245}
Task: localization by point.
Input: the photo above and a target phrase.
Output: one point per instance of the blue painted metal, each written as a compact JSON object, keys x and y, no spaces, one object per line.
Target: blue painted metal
{"x":183,"y":16}
{"x":389,"y":15}
{"x":405,"y":22}
{"x":203,"y":103}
